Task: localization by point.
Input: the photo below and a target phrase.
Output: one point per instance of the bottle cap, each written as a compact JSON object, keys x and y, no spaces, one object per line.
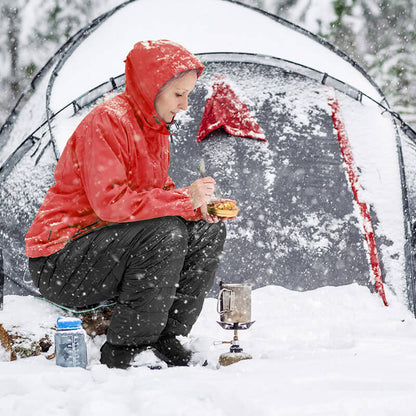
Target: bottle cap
{"x":68,"y":323}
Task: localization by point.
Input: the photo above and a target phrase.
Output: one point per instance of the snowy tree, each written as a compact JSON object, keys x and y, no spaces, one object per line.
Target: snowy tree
{"x":12,"y":78}
{"x":391,"y":56}
{"x":32,"y":31}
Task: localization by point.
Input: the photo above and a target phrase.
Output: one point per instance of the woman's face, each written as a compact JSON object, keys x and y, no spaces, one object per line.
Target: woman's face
{"x":173,"y":96}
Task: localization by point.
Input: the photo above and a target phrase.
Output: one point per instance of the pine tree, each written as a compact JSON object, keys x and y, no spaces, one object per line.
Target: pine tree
{"x":342,"y":32}
{"x":391,"y":57}
{"x":35,"y":30}
{"x":11,"y":84}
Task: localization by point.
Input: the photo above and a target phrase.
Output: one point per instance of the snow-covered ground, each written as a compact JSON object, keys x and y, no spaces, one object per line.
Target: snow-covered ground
{"x":331,"y":351}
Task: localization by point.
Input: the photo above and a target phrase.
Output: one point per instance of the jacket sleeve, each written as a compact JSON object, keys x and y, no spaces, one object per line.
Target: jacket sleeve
{"x":196,"y":215}
{"x":102,"y":157}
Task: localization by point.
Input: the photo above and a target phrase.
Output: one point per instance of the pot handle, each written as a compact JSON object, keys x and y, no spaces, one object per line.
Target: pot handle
{"x":221,"y":304}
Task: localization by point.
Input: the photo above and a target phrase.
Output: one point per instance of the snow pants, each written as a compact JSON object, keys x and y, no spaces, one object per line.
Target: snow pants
{"x":158,"y":271}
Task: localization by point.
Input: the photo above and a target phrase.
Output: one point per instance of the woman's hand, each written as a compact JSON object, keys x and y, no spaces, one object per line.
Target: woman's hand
{"x":201,"y":193}
{"x":207,"y":216}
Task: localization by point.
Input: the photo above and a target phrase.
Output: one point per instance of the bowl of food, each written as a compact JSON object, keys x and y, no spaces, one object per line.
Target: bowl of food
{"x":223,"y":208}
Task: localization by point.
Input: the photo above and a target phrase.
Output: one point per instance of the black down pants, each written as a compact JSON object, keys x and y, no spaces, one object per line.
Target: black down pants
{"x":159,"y":271}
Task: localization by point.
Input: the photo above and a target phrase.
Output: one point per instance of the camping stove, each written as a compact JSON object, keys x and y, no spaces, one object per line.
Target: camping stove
{"x":234,"y":307}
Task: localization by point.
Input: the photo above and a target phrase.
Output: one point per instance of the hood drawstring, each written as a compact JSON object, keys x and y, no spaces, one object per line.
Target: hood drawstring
{"x":172,"y":128}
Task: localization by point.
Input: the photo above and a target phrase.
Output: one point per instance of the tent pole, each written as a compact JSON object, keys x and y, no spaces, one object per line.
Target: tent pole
{"x":409,"y":245}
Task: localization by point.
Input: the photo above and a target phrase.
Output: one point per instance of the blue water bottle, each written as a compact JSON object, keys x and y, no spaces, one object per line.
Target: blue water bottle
{"x":70,"y":347}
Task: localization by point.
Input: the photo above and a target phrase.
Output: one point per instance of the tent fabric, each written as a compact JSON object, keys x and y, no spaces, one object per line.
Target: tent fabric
{"x":225,"y":109}
{"x":297,"y":225}
{"x":22,"y":191}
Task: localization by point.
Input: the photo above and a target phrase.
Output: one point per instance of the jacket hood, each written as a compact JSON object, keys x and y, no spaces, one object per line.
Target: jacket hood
{"x":149,"y":65}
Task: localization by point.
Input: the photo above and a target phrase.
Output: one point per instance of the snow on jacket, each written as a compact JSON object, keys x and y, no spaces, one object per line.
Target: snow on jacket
{"x":114,"y":167}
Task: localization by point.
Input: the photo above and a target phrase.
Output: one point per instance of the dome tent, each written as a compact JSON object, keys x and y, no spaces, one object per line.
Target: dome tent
{"x":328,"y":199}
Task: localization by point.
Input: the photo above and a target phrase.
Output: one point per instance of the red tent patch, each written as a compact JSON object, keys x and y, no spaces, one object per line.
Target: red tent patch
{"x":225,"y":109}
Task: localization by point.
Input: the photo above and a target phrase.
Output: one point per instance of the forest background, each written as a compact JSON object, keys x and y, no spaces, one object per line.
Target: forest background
{"x":379,"y":34}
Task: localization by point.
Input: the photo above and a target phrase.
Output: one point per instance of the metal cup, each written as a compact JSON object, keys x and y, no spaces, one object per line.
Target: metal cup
{"x":234,"y":303}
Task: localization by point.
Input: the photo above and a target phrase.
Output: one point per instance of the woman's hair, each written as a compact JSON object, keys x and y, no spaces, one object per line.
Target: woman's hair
{"x":179,"y":75}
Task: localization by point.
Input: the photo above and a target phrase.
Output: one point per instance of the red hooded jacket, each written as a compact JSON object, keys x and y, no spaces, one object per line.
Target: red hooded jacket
{"x":114,"y":167}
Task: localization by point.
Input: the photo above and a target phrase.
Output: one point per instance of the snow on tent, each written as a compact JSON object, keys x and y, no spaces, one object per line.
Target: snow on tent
{"x":324,"y":173}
